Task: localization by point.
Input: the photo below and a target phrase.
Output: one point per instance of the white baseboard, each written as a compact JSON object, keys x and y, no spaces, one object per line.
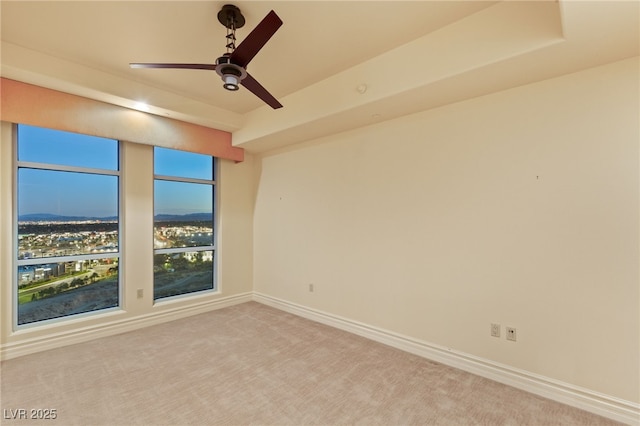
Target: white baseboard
{"x":614,"y":408}
{"x":82,"y":334}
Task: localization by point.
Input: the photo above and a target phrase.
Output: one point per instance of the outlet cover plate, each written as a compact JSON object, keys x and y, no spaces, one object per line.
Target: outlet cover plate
{"x":495,"y":330}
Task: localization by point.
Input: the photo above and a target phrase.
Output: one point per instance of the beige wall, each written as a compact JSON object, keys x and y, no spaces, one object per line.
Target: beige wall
{"x":519,"y":208}
{"x":234,"y":238}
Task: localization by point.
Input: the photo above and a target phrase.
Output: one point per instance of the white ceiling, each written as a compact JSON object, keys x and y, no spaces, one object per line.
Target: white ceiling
{"x":410,"y":56}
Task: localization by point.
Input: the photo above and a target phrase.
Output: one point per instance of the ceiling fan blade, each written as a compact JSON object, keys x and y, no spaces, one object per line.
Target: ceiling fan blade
{"x":256,"y":39}
{"x":256,"y":88}
{"x":211,"y":67}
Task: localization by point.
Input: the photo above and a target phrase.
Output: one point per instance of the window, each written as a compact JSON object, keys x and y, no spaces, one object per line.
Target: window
{"x":68,"y":246}
{"x":183,"y":223}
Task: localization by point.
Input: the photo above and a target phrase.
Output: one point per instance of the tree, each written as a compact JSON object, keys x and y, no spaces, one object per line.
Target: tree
{"x":160,"y":259}
{"x":180,"y":263}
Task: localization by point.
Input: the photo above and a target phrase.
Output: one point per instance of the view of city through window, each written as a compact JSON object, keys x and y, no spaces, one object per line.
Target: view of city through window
{"x":68,"y":239}
{"x":183,"y":223}
{"x":68,"y":242}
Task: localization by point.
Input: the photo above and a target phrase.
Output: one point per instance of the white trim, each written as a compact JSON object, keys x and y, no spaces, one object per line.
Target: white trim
{"x":83,"y":334}
{"x":575,"y":396}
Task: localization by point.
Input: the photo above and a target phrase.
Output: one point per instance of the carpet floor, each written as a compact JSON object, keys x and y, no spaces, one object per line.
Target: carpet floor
{"x":254,"y":365}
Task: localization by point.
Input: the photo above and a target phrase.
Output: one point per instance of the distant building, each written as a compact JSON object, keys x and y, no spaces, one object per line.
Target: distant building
{"x":207,"y":256}
{"x":26,"y":274}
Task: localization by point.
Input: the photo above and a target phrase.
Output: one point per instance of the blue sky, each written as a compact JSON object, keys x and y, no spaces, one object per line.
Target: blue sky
{"x":180,"y":163}
{"x":67,"y":194}
{"x":182,"y":198}
{"x":179,"y":197}
{"x":74,"y":194}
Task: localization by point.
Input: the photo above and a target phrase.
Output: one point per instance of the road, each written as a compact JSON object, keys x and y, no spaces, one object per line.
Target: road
{"x":36,"y":289}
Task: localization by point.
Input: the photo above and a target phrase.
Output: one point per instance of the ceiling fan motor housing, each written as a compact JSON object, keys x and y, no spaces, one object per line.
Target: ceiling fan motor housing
{"x":231,"y":74}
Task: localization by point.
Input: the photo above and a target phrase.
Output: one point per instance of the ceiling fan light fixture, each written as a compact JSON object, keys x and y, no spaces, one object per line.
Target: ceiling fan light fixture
{"x":230,"y":82}
{"x":231,"y":74}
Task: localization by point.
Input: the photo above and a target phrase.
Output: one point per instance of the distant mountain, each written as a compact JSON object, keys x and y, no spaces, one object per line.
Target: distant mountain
{"x":191,"y":217}
{"x":49,"y":217}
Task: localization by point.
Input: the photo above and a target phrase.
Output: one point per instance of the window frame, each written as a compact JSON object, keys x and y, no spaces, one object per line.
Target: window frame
{"x":214,"y":222}
{"x":16,"y":262}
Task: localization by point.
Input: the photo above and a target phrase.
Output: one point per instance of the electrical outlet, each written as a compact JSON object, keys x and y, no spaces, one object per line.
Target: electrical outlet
{"x":495,"y":330}
{"x":511,"y":334}
{"x":140,"y":293}
{"x":311,"y":288}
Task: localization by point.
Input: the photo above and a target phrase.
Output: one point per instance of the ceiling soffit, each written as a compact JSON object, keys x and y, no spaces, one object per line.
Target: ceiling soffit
{"x":409,"y":78}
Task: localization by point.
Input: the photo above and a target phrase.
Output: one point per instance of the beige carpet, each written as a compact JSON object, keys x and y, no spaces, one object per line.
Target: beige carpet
{"x":251,"y":364}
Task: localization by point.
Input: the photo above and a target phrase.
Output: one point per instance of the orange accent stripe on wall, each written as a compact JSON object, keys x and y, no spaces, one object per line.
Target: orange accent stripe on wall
{"x":34,"y":105}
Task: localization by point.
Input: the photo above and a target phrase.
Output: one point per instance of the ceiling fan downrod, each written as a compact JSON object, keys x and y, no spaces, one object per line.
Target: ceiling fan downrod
{"x":231,"y":17}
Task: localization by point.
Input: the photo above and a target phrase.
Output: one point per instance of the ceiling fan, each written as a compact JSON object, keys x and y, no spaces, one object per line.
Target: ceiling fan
{"x":232,"y":65}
